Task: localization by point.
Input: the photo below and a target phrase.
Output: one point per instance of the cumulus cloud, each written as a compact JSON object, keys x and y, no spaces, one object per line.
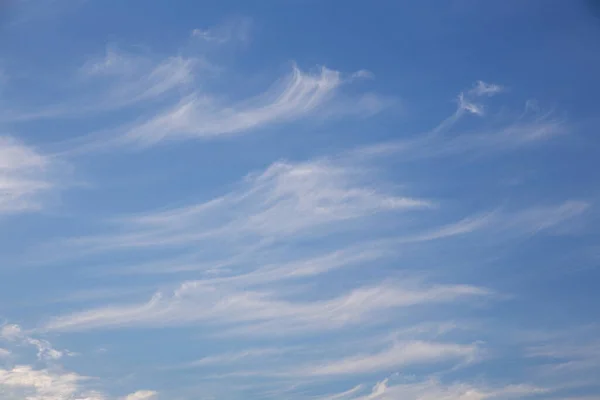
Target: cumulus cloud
{"x":142,"y":395}
{"x":11,"y":332}
{"x":43,"y":384}
{"x":23,"y":382}
{"x":45,"y":379}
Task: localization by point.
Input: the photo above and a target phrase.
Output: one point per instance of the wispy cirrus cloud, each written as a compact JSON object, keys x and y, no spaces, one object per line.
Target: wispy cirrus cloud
{"x":447,"y":139}
{"x":115,"y":81}
{"x":257,"y":311}
{"x":564,"y":355}
{"x":345,"y":246}
{"x":234,"y":358}
{"x":286,"y":199}
{"x":397,"y":356}
{"x":135,"y":78}
{"x":25,"y":177}
{"x":236,"y":29}
{"x":482,"y":88}
{"x":527,"y":221}
{"x":367,"y":357}
{"x":174,"y":99}
{"x":295,"y":97}
{"x":290,"y":199}
{"x":434,"y":389}
{"x":257,"y":289}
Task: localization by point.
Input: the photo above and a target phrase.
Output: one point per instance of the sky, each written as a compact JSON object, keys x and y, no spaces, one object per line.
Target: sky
{"x":299,"y":199}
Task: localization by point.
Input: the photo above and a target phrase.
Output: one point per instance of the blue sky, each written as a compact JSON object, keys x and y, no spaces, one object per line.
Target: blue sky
{"x":299,"y":199}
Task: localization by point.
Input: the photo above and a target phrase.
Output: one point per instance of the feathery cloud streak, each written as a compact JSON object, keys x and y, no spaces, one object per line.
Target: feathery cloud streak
{"x":173,"y":99}
{"x":434,"y":389}
{"x":194,"y":302}
{"x":25,"y":177}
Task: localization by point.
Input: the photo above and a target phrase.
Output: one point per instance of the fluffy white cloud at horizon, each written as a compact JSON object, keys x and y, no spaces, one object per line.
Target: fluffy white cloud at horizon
{"x":298,"y":200}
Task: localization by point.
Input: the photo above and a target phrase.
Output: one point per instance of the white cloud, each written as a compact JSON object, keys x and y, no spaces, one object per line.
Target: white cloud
{"x":234,"y":358}
{"x":338,"y":208}
{"x":297,"y":96}
{"x":24,"y":177}
{"x":284,"y":200}
{"x":47,"y":380}
{"x":117,"y":80}
{"x":179,"y":103}
{"x":465,"y":105}
{"x":344,"y":395}
{"x":435,"y":390}
{"x":142,"y":395}
{"x":462,"y":227}
{"x":23,"y":382}
{"x":531,"y":220}
{"x":356,"y":255}
{"x":482,"y":88}
{"x":399,"y":355}
{"x":42,"y":384}
{"x":541,"y":218}
{"x":11,"y":332}
{"x":562,"y":356}
{"x":114,"y":62}
{"x":445,"y":139}
{"x":137,"y":78}
{"x":511,"y":136}
{"x":380,"y":388}
{"x":45,"y":351}
{"x":195,"y":302}
{"x":234,"y":29}
{"x":260,"y":268}
{"x":467,"y":100}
